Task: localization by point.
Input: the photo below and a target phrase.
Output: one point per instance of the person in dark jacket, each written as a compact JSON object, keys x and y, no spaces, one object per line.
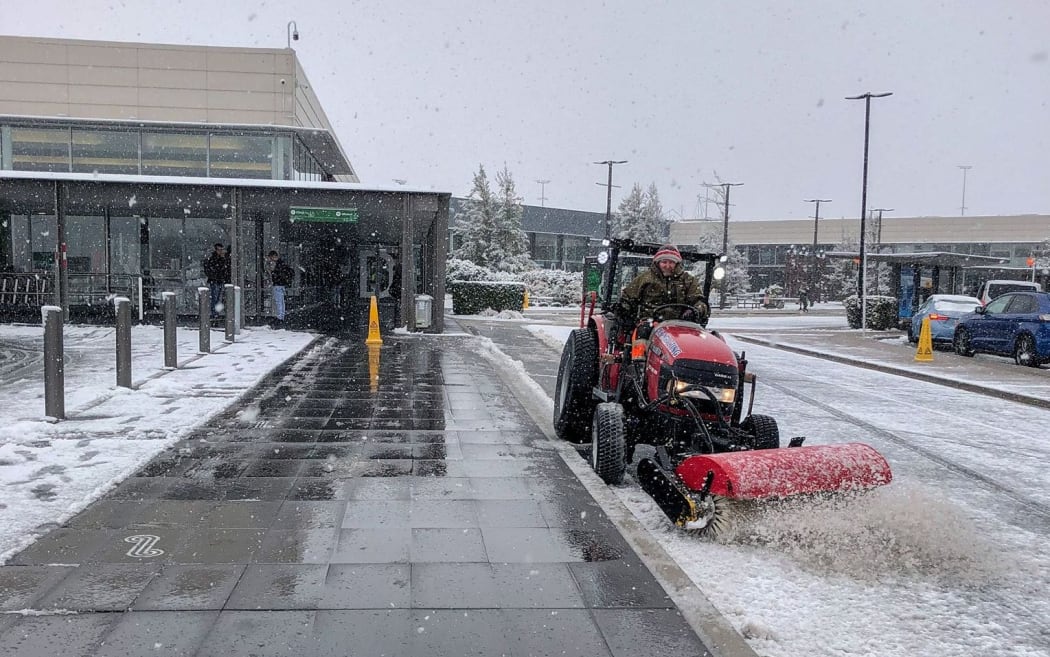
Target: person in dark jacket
{"x":217,"y":271}
{"x":281,"y":276}
{"x":666,"y":281}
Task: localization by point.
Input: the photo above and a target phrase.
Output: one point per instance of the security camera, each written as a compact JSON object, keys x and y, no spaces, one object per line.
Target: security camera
{"x":282,"y":80}
{"x":295,"y":35}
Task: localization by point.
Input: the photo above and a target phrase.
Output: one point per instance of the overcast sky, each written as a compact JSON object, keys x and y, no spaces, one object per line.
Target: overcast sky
{"x":753,"y":91}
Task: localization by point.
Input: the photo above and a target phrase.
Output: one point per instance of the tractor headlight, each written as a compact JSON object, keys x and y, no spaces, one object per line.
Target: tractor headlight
{"x":685,"y":389}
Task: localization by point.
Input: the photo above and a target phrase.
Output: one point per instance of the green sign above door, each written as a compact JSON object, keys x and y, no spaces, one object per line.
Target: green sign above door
{"x":324,"y":215}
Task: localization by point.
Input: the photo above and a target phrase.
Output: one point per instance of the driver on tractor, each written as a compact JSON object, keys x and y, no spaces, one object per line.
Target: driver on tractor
{"x":666,"y":282}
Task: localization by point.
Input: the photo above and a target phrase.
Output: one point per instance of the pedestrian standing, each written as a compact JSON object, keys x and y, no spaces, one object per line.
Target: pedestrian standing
{"x":803,"y":300}
{"x":217,"y":271}
{"x":281,"y":276}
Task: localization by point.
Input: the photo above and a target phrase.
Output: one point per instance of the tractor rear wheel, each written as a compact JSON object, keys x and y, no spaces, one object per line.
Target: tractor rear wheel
{"x":573,"y":394}
{"x":608,"y":443}
{"x":764,"y":431}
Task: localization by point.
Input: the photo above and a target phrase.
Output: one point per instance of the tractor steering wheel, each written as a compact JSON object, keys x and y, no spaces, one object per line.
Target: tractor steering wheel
{"x":684,"y":312}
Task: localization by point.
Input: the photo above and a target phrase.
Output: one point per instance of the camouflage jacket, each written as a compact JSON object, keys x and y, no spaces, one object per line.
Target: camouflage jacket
{"x":651,"y":289}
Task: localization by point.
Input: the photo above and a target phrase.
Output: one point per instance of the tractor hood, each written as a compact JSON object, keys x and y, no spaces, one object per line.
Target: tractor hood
{"x":675,"y":340}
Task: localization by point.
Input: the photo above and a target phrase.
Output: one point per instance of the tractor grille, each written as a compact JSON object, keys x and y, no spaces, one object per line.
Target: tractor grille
{"x":701,"y":372}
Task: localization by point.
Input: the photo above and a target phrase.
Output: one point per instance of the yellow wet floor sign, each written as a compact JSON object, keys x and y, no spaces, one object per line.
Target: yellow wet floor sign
{"x":925,"y":351}
{"x":373,"y":323}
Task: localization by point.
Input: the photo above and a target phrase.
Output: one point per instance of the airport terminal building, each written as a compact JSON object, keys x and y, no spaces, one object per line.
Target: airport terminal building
{"x":121,"y":165}
{"x":774,"y":248}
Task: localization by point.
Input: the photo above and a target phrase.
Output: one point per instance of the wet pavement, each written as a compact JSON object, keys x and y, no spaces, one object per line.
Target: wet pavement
{"x":419,"y":511}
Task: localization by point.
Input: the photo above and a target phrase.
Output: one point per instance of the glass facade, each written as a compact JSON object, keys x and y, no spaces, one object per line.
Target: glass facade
{"x":174,"y":154}
{"x":39,"y":149}
{"x":197,"y":153}
{"x":242,"y":156}
{"x":105,"y":151}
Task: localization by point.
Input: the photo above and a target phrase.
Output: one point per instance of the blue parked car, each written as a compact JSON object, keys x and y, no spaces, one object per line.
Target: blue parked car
{"x":943,"y":310}
{"x":1016,"y":324}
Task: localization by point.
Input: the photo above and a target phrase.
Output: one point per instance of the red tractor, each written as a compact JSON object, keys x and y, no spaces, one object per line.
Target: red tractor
{"x":685,"y":396}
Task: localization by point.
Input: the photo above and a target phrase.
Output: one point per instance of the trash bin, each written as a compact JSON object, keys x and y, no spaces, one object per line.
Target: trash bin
{"x":424,"y":310}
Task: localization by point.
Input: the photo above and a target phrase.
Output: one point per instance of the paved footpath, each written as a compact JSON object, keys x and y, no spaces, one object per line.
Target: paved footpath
{"x":423,"y":514}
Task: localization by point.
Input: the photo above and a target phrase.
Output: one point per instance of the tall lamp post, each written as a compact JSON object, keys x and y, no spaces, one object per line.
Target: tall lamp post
{"x":725,"y":238}
{"x":814,"y":284}
{"x":608,"y":200}
{"x":861,"y":280}
{"x":962,"y":206}
{"x":543,"y":186}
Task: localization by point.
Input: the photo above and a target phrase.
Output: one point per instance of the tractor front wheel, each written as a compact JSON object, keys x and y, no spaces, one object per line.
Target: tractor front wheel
{"x":608,"y":443}
{"x":764,"y":431}
{"x":573,"y":392}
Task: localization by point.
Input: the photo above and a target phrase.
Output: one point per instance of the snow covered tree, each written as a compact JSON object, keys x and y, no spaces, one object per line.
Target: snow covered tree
{"x":738,"y":280}
{"x":840,"y":278}
{"x":509,"y":249}
{"x":640,"y":216}
{"x":477,"y":226}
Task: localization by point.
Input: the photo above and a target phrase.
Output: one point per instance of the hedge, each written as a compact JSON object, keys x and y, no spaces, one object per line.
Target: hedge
{"x":881,"y":312}
{"x":471,"y":297}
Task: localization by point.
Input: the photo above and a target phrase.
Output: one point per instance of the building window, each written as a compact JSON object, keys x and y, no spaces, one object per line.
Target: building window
{"x":546,"y":247}
{"x":33,"y":242}
{"x":241,"y":156}
{"x":575,"y":249}
{"x":40,"y":149}
{"x":105,"y":151}
{"x":174,"y":154}
{"x":306,"y":167}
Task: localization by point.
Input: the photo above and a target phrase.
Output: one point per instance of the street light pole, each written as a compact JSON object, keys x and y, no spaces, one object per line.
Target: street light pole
{"x":293,"y":33}
{"x":962,"y":207}
{"x":725,"y":239}
{"x":861,"y":280}
{"x":608,"y":200}
{"x":814,"y":284}
{"x":543,"y":186}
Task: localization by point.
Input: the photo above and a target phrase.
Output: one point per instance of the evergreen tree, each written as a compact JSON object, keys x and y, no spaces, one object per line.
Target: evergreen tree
{"x":477,"y":226}
{"x":840,"y":278}
{"x":509,"y":249}
{"x":640,"y":216}
{"x":738,"y":281}
{"x":653,"y":211}
{"x":628,"y":216}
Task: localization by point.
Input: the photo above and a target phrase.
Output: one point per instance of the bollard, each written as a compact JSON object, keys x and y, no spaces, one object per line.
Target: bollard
{"x":238,"y":317}
{"x":171,"y":349}
{"x":54,"y":365}
{"x":204,"y":312}
{"x":227,"y":300}
{"x":123,"y":341}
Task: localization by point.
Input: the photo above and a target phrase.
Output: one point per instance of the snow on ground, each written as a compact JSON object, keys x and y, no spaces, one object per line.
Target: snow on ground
{"x":936,"y":564}
{"x":49,"y":470}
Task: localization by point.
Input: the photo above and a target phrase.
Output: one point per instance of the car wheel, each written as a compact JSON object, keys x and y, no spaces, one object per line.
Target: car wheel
{"x":962,"y":343}
{"x":608,"y":443}
{"x":1024,"y":352}
{"x":573,"y":392}
{"x":764,"y":431}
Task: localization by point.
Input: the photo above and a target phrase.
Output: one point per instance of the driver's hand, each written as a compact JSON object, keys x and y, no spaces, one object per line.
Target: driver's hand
{"x":702,"y":313}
